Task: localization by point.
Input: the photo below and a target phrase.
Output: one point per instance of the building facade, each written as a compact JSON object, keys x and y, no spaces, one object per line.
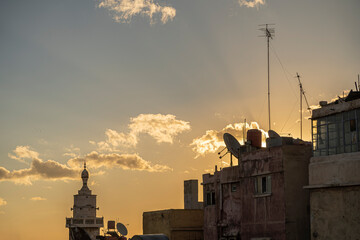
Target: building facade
{"x":178,"y":224}
{"x":84,"y":220}
{"x":334,"y":179}
{"x":261,"y":198}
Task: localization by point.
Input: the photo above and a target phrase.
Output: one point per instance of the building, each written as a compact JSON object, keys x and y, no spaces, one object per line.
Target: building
{"x":191,"y":197}
{"x":178,"y":224}
{"x":84,"y":220}
{"x":261,"y":198}
{"x":334,"y":170}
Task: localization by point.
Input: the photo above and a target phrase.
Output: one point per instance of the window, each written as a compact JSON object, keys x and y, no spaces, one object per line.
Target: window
{"x":210,"y":198}
{"x":336,"y":133}
{"x":263,"y":185}
{"x":233,"y":187}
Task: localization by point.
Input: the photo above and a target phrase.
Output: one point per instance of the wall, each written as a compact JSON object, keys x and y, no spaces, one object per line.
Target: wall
{"x":177,"y":224}
{"x":263,"y":215}
{"x":335,"y":213}
{"x":336,"y":169}
{"x":297,"y":199}
{"x":334,"y":184}
{"x":191,"y":197}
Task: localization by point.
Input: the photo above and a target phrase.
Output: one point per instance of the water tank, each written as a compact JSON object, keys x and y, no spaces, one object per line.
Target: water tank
{"x":111,"y":224}
{"x":254,"y":136}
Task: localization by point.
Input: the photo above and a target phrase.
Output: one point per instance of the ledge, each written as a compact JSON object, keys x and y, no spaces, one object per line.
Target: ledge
{"x":262,"y":195}
{"x":334,"y":185}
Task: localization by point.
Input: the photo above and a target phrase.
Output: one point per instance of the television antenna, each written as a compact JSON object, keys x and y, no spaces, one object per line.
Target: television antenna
{"x":232,"y":146}
{"x":302,"y":92}
{"x":269,"y":33}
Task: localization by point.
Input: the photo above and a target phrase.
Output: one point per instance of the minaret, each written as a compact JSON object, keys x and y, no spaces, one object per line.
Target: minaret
{"x":84,"y":212}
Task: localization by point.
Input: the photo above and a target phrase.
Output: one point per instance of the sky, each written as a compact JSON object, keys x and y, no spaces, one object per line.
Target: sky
{"x":143,"y":91}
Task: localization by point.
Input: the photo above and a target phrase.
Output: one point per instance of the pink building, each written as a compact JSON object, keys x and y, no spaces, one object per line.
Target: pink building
{"x":261,"y":198}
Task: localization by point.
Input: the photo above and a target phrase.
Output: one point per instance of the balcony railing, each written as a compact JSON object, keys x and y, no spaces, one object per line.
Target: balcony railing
{"x":85,"y":222}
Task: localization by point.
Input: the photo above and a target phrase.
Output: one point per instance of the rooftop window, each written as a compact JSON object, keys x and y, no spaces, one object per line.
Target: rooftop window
{"x":337,"y":133}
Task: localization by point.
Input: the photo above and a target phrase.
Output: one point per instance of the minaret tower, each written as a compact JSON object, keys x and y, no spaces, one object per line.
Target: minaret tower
{"x":84,"y":212}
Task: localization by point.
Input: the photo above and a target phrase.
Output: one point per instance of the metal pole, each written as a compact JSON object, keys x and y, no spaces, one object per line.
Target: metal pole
{"x":301,"y":93}
{"x":300,"y":112}
{"x":268,"y":59}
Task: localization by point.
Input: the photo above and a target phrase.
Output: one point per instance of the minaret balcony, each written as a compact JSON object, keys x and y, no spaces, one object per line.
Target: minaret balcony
{"x":85,"y":222}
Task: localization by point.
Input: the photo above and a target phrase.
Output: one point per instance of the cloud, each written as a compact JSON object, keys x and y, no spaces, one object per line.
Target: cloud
{"x":212,"y":140}
{"x":125,"y":10}
{"x":163,"y":128}
{"x":251,"y":3}
{"x":37,"y":199}
{"x":38,"y":170}
{"x":72,"y":151}
{"x":123,"y":161}
{"x":2,"y":202}
{"x":23,"y":152}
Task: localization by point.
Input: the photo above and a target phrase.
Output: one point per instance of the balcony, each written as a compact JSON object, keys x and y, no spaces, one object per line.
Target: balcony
{"x":84,"y":222}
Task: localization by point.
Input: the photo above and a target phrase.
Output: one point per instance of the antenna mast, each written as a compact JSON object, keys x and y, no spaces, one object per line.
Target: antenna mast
{"x":269,"y":33}
{"x":302,"y":92}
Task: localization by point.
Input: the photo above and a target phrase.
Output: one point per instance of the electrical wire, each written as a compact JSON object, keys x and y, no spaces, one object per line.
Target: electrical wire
{"x":283,"y":68}
{"x":289,"y":115}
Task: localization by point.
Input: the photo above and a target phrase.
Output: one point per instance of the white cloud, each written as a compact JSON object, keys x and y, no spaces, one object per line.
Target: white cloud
{"x":72,"y":151}
{"x":212,"y":140}
{"x":251,"y":3}
{"x":23,"y":152}
{"x":163,"y":128}
{"x":123,"y":161}
{"x":37,"y":199}
{"x":2,"y":202}
{"x":125,"y":10}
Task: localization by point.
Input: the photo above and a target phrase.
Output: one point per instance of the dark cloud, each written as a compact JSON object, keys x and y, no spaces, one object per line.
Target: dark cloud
{"x":123,"y":161}
{"x":47,"y":170}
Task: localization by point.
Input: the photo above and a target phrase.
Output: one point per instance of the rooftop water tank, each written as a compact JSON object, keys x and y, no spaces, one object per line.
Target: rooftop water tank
{"x":254,"y":136}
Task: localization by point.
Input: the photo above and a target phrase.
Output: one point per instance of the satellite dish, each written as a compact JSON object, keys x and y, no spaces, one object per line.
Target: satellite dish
{"x":232,"y":144}
{"x":273,"y":134}
{"x":121,"y":229}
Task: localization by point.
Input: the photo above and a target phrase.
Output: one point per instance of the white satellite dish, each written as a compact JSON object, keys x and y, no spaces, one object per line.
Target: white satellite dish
{"x":121,"y":229}
{"x":232,"y":144}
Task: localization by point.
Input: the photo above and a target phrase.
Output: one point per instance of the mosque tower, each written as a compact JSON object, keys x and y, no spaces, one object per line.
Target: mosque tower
{"x":84,"y":220}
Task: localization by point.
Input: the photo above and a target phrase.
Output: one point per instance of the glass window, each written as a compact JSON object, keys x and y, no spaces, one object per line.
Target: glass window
{"x":263,"y":184}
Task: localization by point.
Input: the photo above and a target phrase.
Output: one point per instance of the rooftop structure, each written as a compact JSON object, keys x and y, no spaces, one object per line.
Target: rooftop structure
{"x":334,"y":179}
{"x":178,"y":224}
{"x":84,"y":220}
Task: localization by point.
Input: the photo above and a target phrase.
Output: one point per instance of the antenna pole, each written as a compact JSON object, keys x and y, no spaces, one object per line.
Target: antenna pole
{"x":301,"y":92}
{"x":268,"y":35}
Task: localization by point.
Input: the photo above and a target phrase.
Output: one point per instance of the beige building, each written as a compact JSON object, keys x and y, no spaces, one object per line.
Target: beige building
{"x":178,"y":224}
{"x":334,"y":170}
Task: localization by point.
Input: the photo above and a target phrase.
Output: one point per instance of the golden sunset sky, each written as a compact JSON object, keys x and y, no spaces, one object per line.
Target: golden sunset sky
{"x":143,"y":91}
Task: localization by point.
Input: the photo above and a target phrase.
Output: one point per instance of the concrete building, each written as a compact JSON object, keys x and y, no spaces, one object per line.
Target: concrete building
{"x":178,"y":224}
{"x":84,"y":220}
{"x":261,"y":198}
{"x":334,"y":170}
{"x":191,"y":198}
